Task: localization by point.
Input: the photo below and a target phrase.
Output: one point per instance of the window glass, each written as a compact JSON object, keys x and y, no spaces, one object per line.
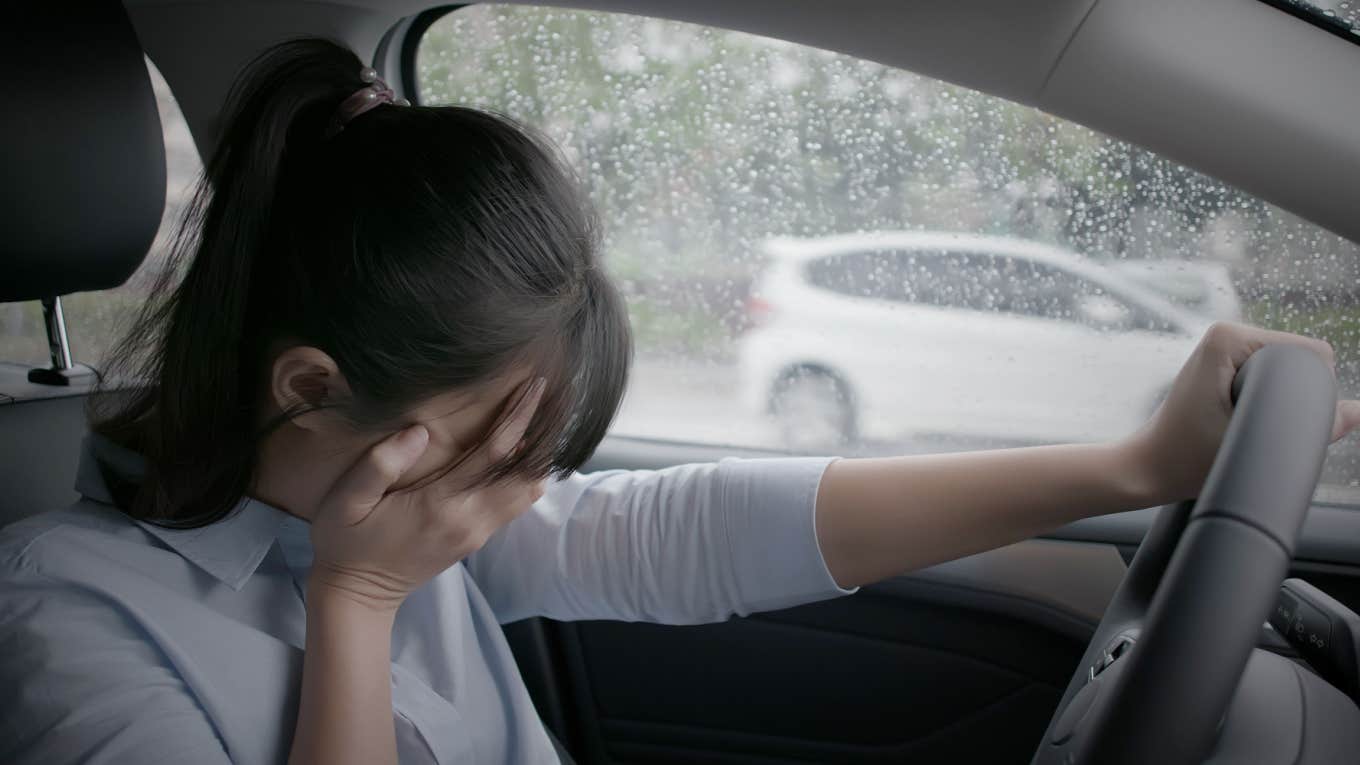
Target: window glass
{"x":1345,"y":12}
{"x":22,"y":340}
{"x":94,"y":319}
{"x":998,"y":284}
{"x":718,"y":159}
{"x":917,"y":278}
{"x":1033,"y":289}
{"x":1340,"y":17}
{"x":1052,"y":293}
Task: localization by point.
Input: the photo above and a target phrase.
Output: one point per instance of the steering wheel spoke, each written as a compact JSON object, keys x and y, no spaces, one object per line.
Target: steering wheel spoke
{"x":1163,"y":667}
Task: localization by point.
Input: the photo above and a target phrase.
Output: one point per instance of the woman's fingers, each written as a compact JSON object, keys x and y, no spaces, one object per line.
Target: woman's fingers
{"x":363,"y":486}
{"x":507,"y":499}
{"x":504,"y":437}
{"x":469,"y":522}
{"x":1347,"y":418}
{"x":518,"y":498}
{"x":409,"y":536}
{"x":507,"y":436}
{"x":1241,"y":340}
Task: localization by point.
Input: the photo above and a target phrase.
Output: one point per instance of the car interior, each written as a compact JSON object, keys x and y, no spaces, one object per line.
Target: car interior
{"x":1004,"y":657}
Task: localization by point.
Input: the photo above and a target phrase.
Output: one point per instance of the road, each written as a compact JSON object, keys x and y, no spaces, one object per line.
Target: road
{"x":681,"y":400}
{"x":676,"y":399}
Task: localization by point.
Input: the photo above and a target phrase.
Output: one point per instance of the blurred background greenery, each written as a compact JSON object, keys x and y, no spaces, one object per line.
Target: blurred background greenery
{"x":697,"y":143}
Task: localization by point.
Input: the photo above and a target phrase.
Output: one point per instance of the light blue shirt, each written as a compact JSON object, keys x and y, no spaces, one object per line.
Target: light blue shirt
{"x":126,"y":642}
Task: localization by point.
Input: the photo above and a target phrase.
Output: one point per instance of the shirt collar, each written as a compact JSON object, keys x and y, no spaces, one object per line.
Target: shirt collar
{"x":230,"y":550}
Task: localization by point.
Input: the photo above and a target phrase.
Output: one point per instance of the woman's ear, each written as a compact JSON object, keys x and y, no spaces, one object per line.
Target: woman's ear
{"x":306,"y":378}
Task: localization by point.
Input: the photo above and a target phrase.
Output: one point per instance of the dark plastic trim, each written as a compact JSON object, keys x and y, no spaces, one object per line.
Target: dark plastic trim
{"x":1330,"y":535}
{"x":1310,"y":14}
{"x":410,"y":47}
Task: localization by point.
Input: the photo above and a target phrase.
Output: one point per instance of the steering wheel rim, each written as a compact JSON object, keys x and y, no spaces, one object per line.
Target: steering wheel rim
{"x":1203,"y":581}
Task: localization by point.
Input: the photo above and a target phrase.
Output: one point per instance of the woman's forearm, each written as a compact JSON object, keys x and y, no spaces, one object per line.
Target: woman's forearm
{"x":880,"y":517}
{"x":345,"y":713}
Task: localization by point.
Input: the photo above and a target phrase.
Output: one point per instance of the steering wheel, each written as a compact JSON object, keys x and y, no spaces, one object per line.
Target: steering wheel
{"x":1170,"y":652}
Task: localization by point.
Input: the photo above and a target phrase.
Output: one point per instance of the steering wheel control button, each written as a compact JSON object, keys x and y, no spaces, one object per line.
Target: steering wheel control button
{"x":1304,"y":625}
{"x":1075,"y":712}
{"x":1325,"y":633}
{"x":1119,"y":647}
{"x":1282,"y":618}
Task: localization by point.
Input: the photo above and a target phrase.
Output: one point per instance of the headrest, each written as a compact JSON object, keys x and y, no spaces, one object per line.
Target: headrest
{"x":82,"y":156}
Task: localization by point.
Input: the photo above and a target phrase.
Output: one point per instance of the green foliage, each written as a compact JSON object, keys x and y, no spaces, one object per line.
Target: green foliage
{"x":695,"y":140}
{"x":94,"y":321}
{"x":660,"y":328}
{"x":1338,"y":325}
{"x":698,"y":143}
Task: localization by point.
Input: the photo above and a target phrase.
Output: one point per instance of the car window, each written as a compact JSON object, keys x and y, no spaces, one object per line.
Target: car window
{"x":1042,"y":292}
{"x":905,"y":277}
{"x":1039,"y":291}
{"x":956,"y":281}
{"x":1060,"y":295}
{"x":852,"y":274}
{"x":706,"y":150}
{"x":93,"y":319}
{"x":983,"y":282}
{"x":21,"y":334}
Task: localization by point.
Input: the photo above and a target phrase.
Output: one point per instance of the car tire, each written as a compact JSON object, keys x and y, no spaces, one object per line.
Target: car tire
{"x":813,"y":410}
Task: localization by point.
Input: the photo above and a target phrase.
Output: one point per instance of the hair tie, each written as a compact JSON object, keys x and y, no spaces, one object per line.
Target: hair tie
{"x":375,"y":92}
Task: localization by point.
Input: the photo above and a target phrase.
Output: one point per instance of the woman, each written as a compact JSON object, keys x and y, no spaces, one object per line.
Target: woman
{"x":386,"y":351}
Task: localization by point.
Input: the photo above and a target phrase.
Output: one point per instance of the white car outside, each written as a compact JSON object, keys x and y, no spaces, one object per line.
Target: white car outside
{"x":892,"y":335}
{"x":1204,"y":287}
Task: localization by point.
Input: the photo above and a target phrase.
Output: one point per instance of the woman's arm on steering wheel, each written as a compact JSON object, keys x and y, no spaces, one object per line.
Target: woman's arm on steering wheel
{"x":880,"y":517}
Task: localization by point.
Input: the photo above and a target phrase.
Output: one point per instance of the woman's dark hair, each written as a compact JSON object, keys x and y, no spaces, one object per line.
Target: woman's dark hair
{"x":425,"y":249}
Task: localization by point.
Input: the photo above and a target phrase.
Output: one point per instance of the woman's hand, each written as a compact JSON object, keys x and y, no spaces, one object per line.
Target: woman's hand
{"x":879,"y":517}
{"x":372,"y":548}
{"x":376,"y":547}
{"x":1175,"y":450}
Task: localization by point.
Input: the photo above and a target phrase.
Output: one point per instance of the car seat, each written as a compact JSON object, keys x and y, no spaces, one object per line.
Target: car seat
{"x":83,"y":158}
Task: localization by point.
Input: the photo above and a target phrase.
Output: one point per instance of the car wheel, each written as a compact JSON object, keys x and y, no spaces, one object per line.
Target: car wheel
{"x":813,"y":410}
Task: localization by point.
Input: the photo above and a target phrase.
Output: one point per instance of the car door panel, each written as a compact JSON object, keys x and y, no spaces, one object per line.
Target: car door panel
{"x":868,"y":678}
{"x":961,"y":662}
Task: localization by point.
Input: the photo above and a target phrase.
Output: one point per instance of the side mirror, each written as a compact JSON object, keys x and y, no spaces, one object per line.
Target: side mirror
{"x":1103,"y":312}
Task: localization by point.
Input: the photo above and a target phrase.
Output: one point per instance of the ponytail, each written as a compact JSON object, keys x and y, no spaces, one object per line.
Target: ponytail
{"x":424,"y":249}
{"x":195,"y":426}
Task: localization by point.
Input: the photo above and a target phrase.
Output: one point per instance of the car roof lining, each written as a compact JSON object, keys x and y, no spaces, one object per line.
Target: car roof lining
{"x":1218,"y":85}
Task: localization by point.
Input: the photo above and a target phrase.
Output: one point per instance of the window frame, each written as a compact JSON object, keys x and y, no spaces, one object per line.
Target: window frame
{"x":413,"y":28}
{"x":1309,"y":13}
{"x":411,"y":31}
